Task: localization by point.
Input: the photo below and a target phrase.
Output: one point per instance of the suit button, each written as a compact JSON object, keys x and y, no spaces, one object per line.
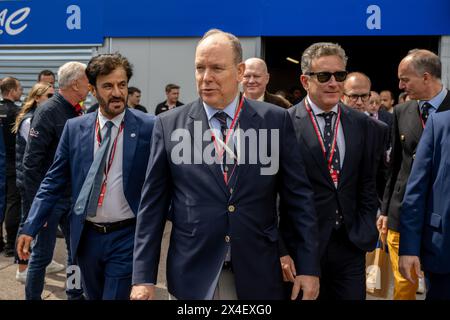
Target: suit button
{"x":231,"y":208}
{"x":227,"y":239}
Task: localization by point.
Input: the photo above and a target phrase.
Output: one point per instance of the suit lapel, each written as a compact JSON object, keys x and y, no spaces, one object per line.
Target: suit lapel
{"x":445,"y":105}
{"x":311,"y":140}
{"x":87,"y":136}
{"x":130,"y":139}
{"x":415,"y":125}
{"x":350,"y":130}
{"x":197,"y":116}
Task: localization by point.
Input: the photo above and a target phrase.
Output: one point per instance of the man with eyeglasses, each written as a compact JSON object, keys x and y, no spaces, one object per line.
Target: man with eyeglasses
{"x":419,"y":76}
{"x":357,"y":95}
{"x":335,"y":145}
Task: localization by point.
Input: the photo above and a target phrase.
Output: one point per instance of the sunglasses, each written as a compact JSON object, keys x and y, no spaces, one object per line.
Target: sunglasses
{"x":325,"y":76}
{"x":49,"y":95}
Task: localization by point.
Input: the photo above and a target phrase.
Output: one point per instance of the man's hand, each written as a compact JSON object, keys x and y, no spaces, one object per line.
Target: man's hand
{"x":382,"y":227}
{"x":142,"y":292}
{"x":288,"y":267}
{"x":408,"y":263}
{"x":382,"y":224}
{"x":23,"y":246}
{"x":308,"y":284}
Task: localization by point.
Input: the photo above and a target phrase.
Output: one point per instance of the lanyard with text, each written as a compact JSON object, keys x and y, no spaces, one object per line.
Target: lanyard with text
{"x":110,"y":160}
{"x":333,"y":173}
{"x":224,"y":144}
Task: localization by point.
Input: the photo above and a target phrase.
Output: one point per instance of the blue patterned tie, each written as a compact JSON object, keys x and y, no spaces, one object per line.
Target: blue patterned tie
{"x":90,"y":191}
{"x":425,"y":111}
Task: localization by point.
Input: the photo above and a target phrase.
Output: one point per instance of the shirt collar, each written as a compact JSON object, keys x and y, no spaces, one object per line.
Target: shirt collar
{"x":436,"y":101}
{"x":317,"y":110}
{"x":229,"y":109}
{"x":117,"y":120}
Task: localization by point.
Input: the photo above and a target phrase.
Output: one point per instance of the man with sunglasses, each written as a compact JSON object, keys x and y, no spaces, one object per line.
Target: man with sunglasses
{"x":335,"y":144}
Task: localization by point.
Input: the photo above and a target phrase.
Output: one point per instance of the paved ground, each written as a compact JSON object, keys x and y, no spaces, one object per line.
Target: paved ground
{"x":54,"y":283}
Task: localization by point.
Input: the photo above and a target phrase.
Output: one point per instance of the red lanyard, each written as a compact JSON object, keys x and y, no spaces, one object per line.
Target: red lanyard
{"x":421,"y":120}
{"x":111,"y":158}
{"x":334,"y":173}
{"x":220,"y":151}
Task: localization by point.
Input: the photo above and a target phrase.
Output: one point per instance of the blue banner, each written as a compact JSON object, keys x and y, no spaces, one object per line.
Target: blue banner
{"x":89,"y":21}
{"x":51,"y":22}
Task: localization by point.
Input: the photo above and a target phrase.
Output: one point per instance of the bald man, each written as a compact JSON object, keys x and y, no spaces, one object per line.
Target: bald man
{"x":357,"y":95}
{"x":255,"y":82}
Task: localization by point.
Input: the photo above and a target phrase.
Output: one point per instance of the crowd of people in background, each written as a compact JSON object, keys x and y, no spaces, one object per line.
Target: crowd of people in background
{"x":353,"y":169}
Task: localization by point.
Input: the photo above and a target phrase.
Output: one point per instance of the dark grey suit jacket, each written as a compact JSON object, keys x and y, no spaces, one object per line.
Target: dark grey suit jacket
{"x":406,"y":132}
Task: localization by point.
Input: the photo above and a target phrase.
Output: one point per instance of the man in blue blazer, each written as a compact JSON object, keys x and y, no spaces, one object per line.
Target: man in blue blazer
{"x":224,"y":241}
{"x":101,"y":230}
{"x":425,"y":213}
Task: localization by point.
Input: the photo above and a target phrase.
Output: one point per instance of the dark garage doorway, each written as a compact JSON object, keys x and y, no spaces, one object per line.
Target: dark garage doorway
{"x":377,"y":56}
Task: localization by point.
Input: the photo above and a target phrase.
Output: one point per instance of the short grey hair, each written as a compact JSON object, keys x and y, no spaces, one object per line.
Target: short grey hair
{"x":234,"y":42}
{"x":321,"y":49}
{"x":69,"y":72}
{"x":425,"y":61}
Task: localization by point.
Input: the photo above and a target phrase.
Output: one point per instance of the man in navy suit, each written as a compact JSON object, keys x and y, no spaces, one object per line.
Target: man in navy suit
{"x":339,"y":152}
{"x":102,"y":234}
{"x":426,"y":211}
{"x":224,"y":241}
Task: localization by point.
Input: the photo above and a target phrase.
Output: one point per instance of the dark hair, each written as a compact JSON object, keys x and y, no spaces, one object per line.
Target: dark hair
{"x":104,"y":64}
{"x":45,"y":72}
{"x":390,"y":93}
{"x":8,"y":84}
{"x":132,"y":90}
{"x":171,"y":86}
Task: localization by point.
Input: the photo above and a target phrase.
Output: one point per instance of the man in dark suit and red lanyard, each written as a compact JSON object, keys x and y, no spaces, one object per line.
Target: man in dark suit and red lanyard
{"x":224,"y":241}
{"x":336,"y":150}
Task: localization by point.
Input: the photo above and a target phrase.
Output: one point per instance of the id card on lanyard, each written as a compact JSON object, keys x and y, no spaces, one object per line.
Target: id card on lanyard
{"x":222,"y":146}
{"x":334,"y":174}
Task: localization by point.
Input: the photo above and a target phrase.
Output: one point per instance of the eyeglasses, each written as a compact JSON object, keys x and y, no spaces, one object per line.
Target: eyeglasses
{"x":49,"y":95}
{"x":325,"y":76}
{"x":354,"y":97}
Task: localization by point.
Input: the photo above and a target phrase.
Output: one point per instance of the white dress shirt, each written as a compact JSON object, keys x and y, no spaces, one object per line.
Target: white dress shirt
{"x":321,"y":121}
{"x":115,"y":206}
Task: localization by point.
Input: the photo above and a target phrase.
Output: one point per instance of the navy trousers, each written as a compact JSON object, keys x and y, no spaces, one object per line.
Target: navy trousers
{"x":106,"y":263}
{"x":438,"y":286}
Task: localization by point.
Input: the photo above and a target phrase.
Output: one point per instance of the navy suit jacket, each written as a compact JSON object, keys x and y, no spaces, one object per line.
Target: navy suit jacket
{"x":73,"y":159}
{"x":201,"y":216}
{"x":425,"y":213}
{"x":355,"y":196}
